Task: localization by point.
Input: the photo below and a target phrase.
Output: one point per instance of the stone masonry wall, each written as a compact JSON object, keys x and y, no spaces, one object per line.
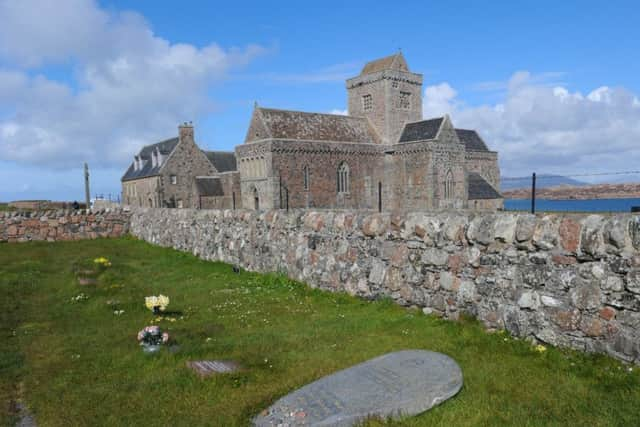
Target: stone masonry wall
{"x":62,"y":225}
{"x":565,"y":280}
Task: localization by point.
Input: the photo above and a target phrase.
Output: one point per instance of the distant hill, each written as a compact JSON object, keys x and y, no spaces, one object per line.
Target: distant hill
{"x":542,"y":181}
{"x":582,"y":192}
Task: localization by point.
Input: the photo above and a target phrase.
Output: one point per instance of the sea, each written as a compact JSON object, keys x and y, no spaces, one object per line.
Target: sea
{"x":593,"y":205}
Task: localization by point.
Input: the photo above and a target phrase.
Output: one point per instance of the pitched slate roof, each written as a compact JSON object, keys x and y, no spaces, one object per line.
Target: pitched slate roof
{"x":166,"y":147}
{"x":419,"y":131}
{"x":471,"y":140}
{"x":480,"y":189}
{"x":223,"y":161}
{"x":284,"y":124}
{"x":209,"y":186}
{"x":392,"y":62}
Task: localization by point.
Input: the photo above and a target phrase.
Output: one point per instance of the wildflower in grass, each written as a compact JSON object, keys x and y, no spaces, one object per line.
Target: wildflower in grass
{"x":79,"y":297}
{"x":540,"y":348}
{"x":118,"y":312}
{"x":102,"y":261}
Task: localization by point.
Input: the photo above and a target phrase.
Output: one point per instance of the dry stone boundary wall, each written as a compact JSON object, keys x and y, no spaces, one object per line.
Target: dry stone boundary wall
{"x":62,"y":225}
{"x":567,"y":280}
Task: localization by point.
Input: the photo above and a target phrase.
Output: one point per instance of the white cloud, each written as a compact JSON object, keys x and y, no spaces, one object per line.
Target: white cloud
{"x":438,"y":99}
{"x":339,"y":112}
{"x":130,"y":87}
{"x":538,"y":127}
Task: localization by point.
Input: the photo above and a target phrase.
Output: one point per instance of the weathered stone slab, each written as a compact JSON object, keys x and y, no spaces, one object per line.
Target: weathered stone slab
{"x":396,"y":384}
{"x":206,"y":368}
{"x":84,"y":281}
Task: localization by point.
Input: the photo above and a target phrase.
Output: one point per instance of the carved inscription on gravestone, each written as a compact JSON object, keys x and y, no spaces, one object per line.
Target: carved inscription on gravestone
{"x":396,"y":384}
{"x":205,"y":368}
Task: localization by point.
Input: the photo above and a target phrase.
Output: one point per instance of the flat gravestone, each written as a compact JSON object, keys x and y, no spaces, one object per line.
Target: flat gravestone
{"x":397,"y":384}
{"x":205,"y":368}
{"x":84,"y":281}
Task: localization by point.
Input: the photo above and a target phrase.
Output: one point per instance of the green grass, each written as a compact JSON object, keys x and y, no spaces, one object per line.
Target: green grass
{"x":5,"y":207}
{"x":76,"y":363}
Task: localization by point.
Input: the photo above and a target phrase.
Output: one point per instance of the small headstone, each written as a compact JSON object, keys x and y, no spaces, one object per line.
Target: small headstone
{"x":397,"y":384}
{"x":205,"y":368}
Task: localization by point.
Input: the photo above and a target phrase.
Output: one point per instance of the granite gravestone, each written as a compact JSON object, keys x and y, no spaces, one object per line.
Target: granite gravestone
{"x":397,"y":384}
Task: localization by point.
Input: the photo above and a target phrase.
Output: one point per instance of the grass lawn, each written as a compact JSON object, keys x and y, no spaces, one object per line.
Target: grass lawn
{"x":77,"y":363}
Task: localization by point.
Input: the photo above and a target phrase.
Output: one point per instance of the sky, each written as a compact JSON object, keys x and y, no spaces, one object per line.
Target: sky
{"x":552,"y":86}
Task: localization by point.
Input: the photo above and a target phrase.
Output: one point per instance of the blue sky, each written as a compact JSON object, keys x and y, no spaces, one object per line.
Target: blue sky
{"x":552,"y":86}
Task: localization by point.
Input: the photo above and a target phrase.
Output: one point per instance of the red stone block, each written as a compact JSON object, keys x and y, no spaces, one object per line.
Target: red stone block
{"x":608,"y":313}
{"x":455,"y":263}
{"x":563,"y":260}
{"x":569,"y":234}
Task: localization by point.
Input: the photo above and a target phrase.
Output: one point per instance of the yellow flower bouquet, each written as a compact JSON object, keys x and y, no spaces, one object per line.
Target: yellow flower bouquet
{"x":157,"y":303}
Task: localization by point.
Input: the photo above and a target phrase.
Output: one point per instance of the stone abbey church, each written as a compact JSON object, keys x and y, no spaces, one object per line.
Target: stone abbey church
{"x":382,"y":155}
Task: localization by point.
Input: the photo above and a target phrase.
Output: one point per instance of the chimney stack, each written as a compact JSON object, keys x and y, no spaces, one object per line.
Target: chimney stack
{"x":185,"y":131}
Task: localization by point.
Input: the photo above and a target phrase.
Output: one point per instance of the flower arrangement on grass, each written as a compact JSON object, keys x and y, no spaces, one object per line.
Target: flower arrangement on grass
{"x":152,"y":337}
{"x":156,"y":303}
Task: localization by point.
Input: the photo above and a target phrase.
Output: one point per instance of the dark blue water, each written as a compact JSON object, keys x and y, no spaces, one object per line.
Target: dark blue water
{"x":596,"y":205}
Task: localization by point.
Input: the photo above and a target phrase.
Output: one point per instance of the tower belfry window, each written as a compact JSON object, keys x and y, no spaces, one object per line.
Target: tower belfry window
{"x":367,"y":103}
{"x":404,"y":100}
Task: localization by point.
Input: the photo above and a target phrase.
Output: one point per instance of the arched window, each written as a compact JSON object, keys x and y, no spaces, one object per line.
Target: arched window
{"x":448,"y":185}
{"x":256,"y":199}
{"x":305,"y":178}
{"x":343,"y":178}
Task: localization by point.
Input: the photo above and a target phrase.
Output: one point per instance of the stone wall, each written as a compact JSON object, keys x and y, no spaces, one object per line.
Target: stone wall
{"x":560,"y":279}
{"x":62,"y":225}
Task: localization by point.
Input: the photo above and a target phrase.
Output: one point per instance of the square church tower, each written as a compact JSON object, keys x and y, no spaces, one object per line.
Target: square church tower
{"x":388,"y":94}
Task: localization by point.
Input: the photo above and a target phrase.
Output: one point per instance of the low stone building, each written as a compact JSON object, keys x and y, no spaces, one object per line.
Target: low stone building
{"x":177,"y":173}
{"x":382,"y":155}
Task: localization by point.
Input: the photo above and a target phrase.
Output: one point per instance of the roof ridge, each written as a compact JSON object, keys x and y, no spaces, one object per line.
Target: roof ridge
{"x":159,"y":142}
{"x":425,"y":120}
{"x":312,"y":113}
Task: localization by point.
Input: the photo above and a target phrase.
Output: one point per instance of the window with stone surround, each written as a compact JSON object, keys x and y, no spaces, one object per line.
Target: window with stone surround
{"x":173,"y":179}
{"x":305,"y":178}
{"x":448,"y":185}
{"x":404,"y":100}
{"x":343,"y":178}
{"x":367,"y":103}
